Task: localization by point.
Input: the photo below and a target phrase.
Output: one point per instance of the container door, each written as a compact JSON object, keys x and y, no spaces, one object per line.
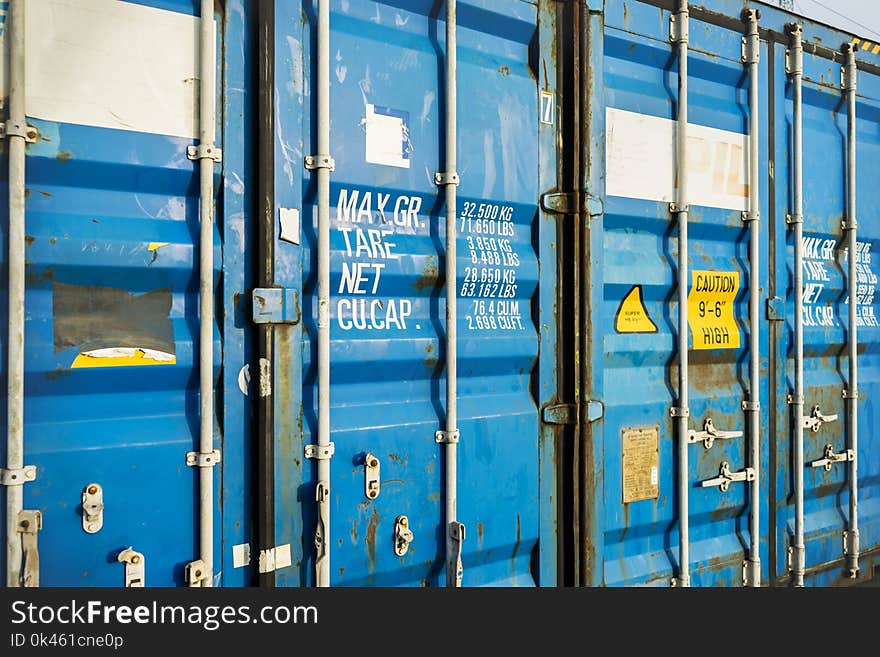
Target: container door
{"x":631,"y":304}
{"x":112,"y":291}
{"x":827,"y":462}
{"x":387,"y":296}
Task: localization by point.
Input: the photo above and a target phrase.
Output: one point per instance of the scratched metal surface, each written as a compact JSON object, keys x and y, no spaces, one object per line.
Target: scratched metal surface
{"x":99,"y":201}
{"x":637,"y":543}
{"x":826,"y":495}
{"x":639,"y":378}
{"x":387,"y":244}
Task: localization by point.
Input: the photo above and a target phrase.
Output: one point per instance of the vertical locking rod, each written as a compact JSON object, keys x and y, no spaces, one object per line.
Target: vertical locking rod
{"x":852,"y":393}
{"x":322,"y":564}
{"x":753,"y":567}
{"x":450,"y":181}
{"x":681,"y":19}
{"x":207,"y":121}
{"x":15,"y":342}
{"x":796,"y":72}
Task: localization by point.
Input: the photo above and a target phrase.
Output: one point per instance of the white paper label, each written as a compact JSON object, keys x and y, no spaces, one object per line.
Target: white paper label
{"x":387,"y":136}
{"x":110,"y":64}
{"x":641,"y":160}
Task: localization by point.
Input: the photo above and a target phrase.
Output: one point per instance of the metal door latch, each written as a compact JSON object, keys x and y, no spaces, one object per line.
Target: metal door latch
{"x":92,"y":508}
{"x":403,"y":536}
{"x":710,"y":434}
{"x":725,"y":477}
{"x":457,"y":534}
{"x":30,"y":522}
{"x":134,"y":567}
{"x":372,"y":483}
{"x":195,"y":573}
{"x":816,"y":419}
{"x":831,"y":458}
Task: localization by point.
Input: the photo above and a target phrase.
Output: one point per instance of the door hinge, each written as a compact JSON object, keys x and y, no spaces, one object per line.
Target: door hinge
{"x":775,"y":310}
{"x":275,"y":305}
{"x":571,"y":203}
{"x":275,"y":558}
{"x":566,"y":414}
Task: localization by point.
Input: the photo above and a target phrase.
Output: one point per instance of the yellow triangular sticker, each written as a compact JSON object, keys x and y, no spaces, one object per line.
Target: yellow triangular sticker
{"x":632,"y":316}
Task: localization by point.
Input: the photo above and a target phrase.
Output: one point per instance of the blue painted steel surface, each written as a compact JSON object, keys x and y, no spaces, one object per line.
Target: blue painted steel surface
{"x":826,"y":495}
{"x":638,"y":379}
{"x":99,"y":201}
{"x":636,"y":243}
{"x":386,"y":305}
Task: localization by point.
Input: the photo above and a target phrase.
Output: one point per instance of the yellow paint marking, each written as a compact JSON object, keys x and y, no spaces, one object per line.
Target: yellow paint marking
{"x":710,"y":309}
{"x":856,"y":41}
{"x":866,"y":45}
{"x":139,"y":358}
{"x":632,"y":316}
{"x":876,"y":49}
{"x":152,"y":246}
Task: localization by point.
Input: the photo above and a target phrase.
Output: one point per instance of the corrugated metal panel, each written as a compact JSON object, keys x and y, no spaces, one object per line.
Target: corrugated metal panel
{"x":111,"y":218}
{"x":387,"y":304}
{"x":636,"y":543}
{"x":826,"y":307}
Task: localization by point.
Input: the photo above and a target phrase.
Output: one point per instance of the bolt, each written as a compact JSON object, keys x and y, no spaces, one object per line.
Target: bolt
{"x":92,"y":489}
{"x":93,"y":527}
{"x":135,"y":559}
{"x":25,"y":524}
{"x":199,"y":574}
{"x":374,"y":463}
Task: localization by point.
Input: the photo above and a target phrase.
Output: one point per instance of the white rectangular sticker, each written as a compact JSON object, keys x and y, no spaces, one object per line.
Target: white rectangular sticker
{"x":110,"y":64}
{"x":387,"y":136}
{"x":640,"y":161}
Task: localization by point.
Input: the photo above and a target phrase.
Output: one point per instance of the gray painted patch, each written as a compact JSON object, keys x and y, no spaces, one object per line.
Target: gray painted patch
{"x":93,"y":317}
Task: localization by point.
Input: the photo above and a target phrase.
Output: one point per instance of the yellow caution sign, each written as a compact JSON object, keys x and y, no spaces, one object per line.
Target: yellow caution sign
{"x":710,"y":309}
{"x":632,"y":316}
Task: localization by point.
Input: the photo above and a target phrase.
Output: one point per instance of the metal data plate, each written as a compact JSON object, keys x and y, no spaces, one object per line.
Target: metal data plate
{"x":641,"y":463}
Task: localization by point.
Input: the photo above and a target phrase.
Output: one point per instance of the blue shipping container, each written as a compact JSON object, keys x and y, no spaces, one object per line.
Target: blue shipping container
{"x":112,"y":320}
{"x":572,"y":431}
{"x":631,"y":518}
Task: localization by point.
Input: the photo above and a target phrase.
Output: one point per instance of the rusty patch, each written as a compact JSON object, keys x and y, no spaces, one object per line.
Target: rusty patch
{"x":429,"y":276}
{"x":354,"y":532}
{"x":479,"y":535}
{"x":370,"y":538}
{"x":57,"y":373}
{"x":504,"y":70}
{"x":63,"y":156}
{"x":42,"y":193}
{"x":30,"y":239}
{"x":434,"y":497}
{"x":52,"y":240}
{"x":402,"y":460}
